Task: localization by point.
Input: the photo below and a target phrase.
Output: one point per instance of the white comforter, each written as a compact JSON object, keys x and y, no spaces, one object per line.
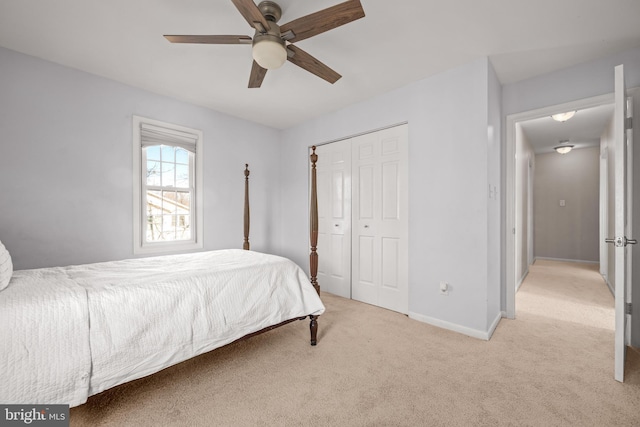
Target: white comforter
{"x":69,"y":332}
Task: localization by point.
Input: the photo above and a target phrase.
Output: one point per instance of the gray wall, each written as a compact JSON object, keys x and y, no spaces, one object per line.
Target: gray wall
{"x":454,"y":122}
{"x":568,"y":232}
{"x":494,"y":226}
{"x":584,"y":81}
{"x":525,"y":160}
{"x":66,"y":165}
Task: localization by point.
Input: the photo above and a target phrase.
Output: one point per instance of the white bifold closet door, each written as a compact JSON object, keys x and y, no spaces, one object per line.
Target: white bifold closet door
{"x":363,"y":223}
{"x":380,"y":224}
{"x":334,"y":217}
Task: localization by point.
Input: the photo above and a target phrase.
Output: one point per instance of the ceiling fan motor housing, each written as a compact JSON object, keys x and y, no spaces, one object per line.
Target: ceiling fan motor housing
{"x":270,"y":10}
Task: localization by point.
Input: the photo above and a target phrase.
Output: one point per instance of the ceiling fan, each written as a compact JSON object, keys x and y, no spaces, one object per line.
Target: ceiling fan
{"x":272,"y":44}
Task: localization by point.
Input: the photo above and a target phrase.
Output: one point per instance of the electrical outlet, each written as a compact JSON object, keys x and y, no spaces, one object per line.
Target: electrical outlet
{"x":444,"y":288}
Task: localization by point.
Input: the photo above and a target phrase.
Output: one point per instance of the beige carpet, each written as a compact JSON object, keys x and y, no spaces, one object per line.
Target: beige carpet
{"x":553,"y":365}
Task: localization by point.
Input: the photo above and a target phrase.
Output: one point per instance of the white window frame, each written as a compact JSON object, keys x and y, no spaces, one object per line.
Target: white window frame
{"x":140,"y":246}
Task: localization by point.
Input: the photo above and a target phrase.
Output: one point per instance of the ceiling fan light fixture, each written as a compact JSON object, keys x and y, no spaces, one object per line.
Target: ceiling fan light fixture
{"x":271,"y":47}
{"x":563,"y":117}
{"x":269,"y":51}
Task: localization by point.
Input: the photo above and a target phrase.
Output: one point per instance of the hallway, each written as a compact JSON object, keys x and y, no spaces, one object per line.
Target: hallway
{"x":569,"y":292}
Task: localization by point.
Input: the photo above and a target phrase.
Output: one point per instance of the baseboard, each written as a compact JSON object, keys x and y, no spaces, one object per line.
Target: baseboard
{"x":566,"y":260}
{"x":494,"y":325}
{"x":474,"y":333}
{"x":524,"y":276}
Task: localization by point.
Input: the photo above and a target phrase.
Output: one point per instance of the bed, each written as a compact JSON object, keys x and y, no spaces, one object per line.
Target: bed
{"x":71,"y":332}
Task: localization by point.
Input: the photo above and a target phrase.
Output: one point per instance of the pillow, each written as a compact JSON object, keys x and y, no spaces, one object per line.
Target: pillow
{"x":6,"y":267}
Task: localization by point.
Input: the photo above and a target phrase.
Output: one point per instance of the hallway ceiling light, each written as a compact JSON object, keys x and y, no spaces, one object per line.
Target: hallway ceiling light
{"x":564,"y":147}
{"x":563,"y":117}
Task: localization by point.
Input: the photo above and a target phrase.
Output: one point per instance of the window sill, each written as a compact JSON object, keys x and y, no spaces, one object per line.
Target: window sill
{"x":167,"y":248}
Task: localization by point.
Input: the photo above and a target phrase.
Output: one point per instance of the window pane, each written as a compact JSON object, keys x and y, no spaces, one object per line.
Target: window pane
{"x":169,"y":202}
{"x":183,"y":201}
{"x":182,"y":156}
{"x":183,"y":229}
{"x":168,"y":216}
{"x":168,"y":227}
{"x":154,"y":227}
{"x":168,"y":153}
{"x":182,"y":176}
{"x":168,"y":174}
{"x":153,"y":152}
{"x":153,"y":172}
{"x":154,"y":203}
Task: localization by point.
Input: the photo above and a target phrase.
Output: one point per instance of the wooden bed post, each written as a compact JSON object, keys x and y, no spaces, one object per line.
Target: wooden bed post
{"x":313,"y":257}
{"x":245,"y":245}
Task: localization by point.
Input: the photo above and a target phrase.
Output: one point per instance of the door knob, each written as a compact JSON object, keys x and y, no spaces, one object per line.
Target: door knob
{"x":622,"y":241}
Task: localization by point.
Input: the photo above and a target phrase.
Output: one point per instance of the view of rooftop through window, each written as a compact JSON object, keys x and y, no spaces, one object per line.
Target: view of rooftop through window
{"x":169,"y":193}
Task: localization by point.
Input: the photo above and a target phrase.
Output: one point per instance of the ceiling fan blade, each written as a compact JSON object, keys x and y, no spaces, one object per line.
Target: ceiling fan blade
{"x":303,"y":60}
{"x":324,"y":20}
{"x":257,"y":75}
{"x":210,"y":39}
{"x":252,"y":14}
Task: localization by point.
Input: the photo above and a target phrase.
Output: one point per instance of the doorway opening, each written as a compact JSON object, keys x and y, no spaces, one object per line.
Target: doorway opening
{"x":516,"y":225}
{"x":561,"y":234}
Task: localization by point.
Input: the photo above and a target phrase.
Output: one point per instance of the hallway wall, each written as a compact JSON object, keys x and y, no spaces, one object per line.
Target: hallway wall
{"x":571,"y":231}
{"x":525,"y":159}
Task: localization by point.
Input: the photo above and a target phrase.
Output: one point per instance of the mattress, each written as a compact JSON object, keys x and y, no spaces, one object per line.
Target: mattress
{"x":70,"y":332}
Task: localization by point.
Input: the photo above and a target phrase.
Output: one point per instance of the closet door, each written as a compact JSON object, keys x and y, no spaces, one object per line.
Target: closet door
{"x":334,"y":217}
{"x":380,"y":223}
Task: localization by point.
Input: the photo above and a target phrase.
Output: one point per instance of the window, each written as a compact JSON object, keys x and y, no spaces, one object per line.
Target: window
{"x":167,"y":187}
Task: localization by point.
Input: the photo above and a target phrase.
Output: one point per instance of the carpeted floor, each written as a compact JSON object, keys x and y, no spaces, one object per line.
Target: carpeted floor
{"x":551,"y":366}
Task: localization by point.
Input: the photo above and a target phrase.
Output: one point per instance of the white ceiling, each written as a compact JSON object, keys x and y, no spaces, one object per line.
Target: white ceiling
{"x":398,"y":42}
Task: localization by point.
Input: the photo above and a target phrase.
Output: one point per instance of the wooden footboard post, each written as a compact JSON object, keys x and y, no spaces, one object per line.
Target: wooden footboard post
{"x":313,"y":257}
{"x":313,"y":327}
{"x":245,"y":246}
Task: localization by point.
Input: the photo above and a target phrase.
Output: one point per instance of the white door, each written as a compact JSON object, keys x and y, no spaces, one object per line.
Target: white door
{"x":334,"y":217}
{"x":623,"y":169}
{"x":380,"y":223}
